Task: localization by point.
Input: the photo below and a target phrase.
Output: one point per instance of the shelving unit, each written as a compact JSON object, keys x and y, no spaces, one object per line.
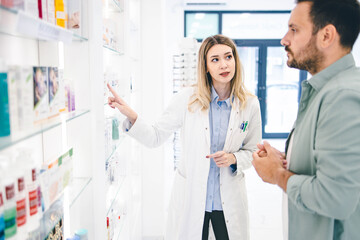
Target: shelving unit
{"x":84,"y":59}
{"x":118,"y":59}
{"x":29,"y":41}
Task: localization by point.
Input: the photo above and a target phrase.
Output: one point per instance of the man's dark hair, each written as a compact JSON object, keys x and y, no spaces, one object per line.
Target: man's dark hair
{"x":343,"y":14}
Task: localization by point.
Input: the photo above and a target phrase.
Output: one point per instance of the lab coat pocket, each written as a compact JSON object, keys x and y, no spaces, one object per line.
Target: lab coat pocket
{"x":237,"y":139}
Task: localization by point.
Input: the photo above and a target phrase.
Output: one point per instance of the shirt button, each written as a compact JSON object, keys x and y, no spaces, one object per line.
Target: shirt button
{"x":223,"y":203}
{"x":227,"y":221}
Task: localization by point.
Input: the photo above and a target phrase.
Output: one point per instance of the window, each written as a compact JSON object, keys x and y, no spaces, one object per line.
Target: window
{"x":201,"y":25}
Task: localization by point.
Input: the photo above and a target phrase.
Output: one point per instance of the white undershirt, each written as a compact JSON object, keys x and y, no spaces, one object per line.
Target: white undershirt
{"x":285,"y":209}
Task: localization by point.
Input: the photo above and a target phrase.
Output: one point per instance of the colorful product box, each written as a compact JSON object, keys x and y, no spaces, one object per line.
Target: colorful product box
{"x":61,"y":13}
{"x":41,"y":97}
{"x":55,"y":176}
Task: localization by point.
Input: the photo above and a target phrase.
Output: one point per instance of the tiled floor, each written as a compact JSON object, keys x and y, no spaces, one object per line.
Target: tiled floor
{"x":265,"y":202}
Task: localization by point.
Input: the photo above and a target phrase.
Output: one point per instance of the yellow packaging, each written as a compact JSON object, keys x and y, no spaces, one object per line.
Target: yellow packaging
{"x":61,"y":13}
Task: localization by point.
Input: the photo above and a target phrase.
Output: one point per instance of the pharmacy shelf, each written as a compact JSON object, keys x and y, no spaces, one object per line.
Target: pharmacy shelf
{"x":76,"y":188}
{"x":117,"y":146}
{"x":117,"y":232}
{"x":112,"y":6}
{"x":113,"y":50}
{"x":40,"y":128}
{"x":20,"y":24}
{"x":113,"y":193}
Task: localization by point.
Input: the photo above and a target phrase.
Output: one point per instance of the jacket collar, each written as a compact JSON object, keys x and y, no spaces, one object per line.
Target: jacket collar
{"x":319,"y":80}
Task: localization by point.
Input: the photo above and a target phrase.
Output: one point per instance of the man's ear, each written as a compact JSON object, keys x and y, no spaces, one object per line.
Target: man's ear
{"x":327,"y":36}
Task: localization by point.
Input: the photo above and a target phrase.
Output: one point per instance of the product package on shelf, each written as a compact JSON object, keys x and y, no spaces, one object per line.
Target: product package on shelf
{"x":2,"y":222}
{"x":54,"y":177}
{"x":109,"y":34}
{"x":4,"y":102}
{"x":74,"y":10}
{"x":69,"y":95}
{"x":8,"y":183}
{"x":52,"y":222}
{"x":41,"y":97}
{"x":31,"y":8}
{"x":26,"y":99}
{"x":21,"y":97}
{"x":55,"y":94}
{"x":14,"y":4}
{"x":47,"y":10}
{"x":61,"y":13}
{"x":14,"y":75}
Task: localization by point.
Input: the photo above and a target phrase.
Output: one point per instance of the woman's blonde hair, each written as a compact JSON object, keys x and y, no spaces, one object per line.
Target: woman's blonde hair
{"x":202,"y":97}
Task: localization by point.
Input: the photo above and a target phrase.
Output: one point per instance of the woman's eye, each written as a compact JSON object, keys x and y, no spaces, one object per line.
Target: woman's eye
{"x":229,"y":57}
{"x":293,"y":30}
{"x":215,"y":60}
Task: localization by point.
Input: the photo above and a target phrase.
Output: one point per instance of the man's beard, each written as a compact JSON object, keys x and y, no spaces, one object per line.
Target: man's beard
{"x":310,"y":56}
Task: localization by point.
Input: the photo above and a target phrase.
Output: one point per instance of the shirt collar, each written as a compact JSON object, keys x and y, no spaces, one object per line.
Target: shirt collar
{"x":215,"y":97}
{"x":320,"y":79}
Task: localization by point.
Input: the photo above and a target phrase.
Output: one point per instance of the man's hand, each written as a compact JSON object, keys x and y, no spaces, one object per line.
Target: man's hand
{"x":269,"y":166}
{"x":223,"y":159}
{"x":262,"y":153}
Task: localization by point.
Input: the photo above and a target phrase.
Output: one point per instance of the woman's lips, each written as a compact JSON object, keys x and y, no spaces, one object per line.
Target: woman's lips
{"x":224,"y":74}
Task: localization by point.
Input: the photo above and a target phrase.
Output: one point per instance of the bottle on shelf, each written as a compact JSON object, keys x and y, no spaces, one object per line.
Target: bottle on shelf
{"x":2,"y":222}
{"x":25,"y":160}
{"x":8,"y":186}
{"x":20,"y":197}
{"x":4,"y":102}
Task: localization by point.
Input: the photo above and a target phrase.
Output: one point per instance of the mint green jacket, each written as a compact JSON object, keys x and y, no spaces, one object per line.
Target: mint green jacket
{"x":324,"y":195}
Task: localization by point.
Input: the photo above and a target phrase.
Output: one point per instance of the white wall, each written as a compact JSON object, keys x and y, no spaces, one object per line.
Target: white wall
{"x":152,"y":68}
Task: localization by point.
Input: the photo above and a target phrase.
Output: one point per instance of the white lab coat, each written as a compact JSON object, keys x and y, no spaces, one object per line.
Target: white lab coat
{"x":187,"y":204}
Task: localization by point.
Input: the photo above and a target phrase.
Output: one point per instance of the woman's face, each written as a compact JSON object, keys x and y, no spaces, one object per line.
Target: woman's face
{"x":220,"y":64}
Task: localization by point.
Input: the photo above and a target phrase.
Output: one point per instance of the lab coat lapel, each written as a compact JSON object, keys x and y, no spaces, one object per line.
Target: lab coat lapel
{"x":234,"y":116}
{"x":206,"y":125}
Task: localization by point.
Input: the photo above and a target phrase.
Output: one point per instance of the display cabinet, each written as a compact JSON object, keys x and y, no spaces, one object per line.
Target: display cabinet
{"x":104,"y":178}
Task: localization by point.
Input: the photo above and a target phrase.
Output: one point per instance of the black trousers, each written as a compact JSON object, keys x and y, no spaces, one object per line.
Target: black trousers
{"x":218,"y":224}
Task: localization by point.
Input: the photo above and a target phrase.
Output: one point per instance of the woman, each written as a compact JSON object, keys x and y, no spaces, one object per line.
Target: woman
{"x":220,"y":127}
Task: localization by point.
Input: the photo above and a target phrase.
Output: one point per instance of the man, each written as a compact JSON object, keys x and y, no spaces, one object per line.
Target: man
{"x":322,"y":181}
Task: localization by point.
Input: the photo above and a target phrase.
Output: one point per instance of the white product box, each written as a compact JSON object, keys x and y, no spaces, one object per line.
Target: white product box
{"x":13,"y":80}
{"x":31,"y":7}
{"x":26,"y":99}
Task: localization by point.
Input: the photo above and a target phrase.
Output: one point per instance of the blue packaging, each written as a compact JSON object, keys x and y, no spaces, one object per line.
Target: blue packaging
{"x":4,"y":106}
{"x":2,"y":227}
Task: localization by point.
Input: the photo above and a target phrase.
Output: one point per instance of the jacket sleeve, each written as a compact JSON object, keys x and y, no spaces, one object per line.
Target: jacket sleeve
{"x":334,"y":191}
{"x":170,"y":121}
{"x":244,"y":155}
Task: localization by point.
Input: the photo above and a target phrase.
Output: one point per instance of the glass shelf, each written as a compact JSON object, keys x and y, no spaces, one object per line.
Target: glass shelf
{"x":20,"y":24}
{"x":113,"y":6}
{"x":40,"y":128}
{"x":112,"y":194}
{"x":76,"y":188}
{"x":117,"y":4}
{"x":121,"y":139}
{"x":117,"y":232}
{"x":113,"y":50}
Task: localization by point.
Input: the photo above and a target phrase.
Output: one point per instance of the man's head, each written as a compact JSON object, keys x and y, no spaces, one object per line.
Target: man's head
{"x":319,"y":29}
